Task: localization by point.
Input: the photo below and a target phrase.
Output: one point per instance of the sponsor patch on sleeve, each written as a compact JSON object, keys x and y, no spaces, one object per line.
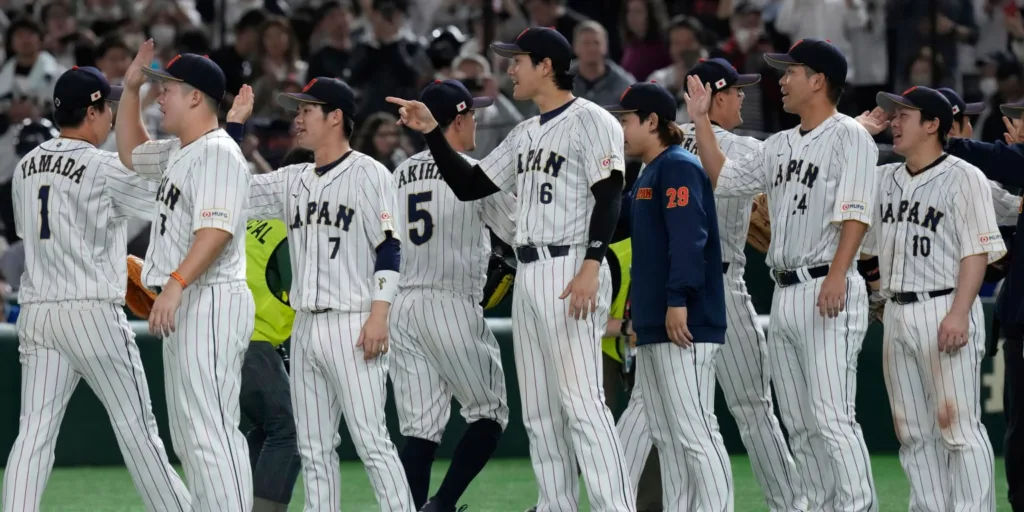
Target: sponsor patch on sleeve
{"x":854,"y":207}
{"x":215,"y":214}
{"x":990,"y":238}
{"x":611,"y":162}
{"x":386,"y":221}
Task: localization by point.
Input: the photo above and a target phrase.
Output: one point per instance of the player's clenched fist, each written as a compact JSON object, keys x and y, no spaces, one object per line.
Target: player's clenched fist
{"x":675,"y":326}
{"x":582,"y":291}
{"x":832,"y":298}
{"x":373,"y":337}
{"x":953,"y":332}
{"x":161,"y":317}
{"x":414,"y":114}
{"x":134,"y":77}
{"x":241,"y":107}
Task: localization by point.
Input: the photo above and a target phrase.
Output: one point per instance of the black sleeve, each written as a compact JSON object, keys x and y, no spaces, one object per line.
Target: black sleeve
{"x":468,"y":182}
{"x":607,"y":202}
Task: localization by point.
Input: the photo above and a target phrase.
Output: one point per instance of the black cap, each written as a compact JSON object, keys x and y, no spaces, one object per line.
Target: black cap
{"x":961,"y":108}
{"x":646,"y":97}
{"x":542,"y":42}
{"x":447,"y":99}
{"x":721,"y":75}
{"x":821,"y":56}
{"x":80,"y":87}
{"x":332,"y":93}
{"x":927,"y":100}
{"x":195,"y":70}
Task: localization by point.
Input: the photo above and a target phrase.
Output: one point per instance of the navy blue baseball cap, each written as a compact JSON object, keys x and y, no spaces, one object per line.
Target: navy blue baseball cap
{"x":927,"y":100}
{"x":449,"y":98}
{"x":80,"y":87}
{"x":646,"y":97}
{"x":1012,"y":110}
{"x":195,"y":70}
{"x":960,"y":107}
{"x":542,"y":42}
{"x":331,"y":93}
{"x":821,"y":56}
{"x":721,"y":75}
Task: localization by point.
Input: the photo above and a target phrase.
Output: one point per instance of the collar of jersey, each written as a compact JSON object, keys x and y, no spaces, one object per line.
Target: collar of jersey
{"x":320,"y":171}
{"x":547,"y":116}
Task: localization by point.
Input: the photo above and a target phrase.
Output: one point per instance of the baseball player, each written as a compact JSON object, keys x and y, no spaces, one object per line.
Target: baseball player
{"x":566,"y":169}
{"x":819,"y":178}
{"x":442,"y":345}
{"x":345,"y":255}
{"x":678,"y":308}
{"x":196,"y":263}
{"x":934,"y":232}
{"x":71,"y":203}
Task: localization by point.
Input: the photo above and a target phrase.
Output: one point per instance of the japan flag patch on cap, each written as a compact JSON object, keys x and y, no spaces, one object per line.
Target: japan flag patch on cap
{"x":720,"y":84}
{"x":956,"y":109}
{"x":95,"y":96}
{"x":461,"y":106}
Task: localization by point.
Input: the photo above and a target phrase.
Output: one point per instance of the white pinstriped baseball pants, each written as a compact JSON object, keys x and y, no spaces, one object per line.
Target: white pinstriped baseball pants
{"x":331,"y":380}
{"x":60,"y":344}
{"x":936,"y":407}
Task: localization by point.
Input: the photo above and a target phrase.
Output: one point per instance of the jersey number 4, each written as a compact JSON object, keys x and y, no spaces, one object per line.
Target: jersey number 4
{"x":44,"y":212}
{"x":417,"y":214}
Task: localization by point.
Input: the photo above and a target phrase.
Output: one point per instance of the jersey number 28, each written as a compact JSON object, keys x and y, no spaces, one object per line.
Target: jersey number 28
{"x":417,"y":214}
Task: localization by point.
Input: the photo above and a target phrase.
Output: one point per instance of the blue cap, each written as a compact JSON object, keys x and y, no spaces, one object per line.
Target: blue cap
{"x":449,"y":98}
{"x":195,"y":70}
{"x":646,"y":97}
{"x":961,"y":108}
{"x":721,"y":75}
{"x":332,"y":93}
{"x":542,"y":42}
{"x":925,"y":99}
{"x":821,"y":56}
{"x":80,"y":87}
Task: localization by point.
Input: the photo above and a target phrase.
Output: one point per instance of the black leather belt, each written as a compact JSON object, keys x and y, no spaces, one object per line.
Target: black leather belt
{"x":158,"y":289}
{"x":319,"y":311}
{"x":725,"y":267}
{"x":790,"y":277}
{"x":530,"y":254}
{"x":912,"y":297}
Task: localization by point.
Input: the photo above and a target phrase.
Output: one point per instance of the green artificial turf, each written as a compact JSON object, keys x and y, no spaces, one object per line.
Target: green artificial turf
{"x":506,"y":485}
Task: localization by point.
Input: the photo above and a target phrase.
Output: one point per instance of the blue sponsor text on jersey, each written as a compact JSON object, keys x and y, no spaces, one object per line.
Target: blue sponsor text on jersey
{"x":804,"y":173}
{"x":340,"y":216}
{"x":907,"y":212}
{"x":64,"y":166}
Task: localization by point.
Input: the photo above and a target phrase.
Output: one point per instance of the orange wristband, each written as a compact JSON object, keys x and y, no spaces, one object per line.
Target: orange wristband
{"x":177,"y":277}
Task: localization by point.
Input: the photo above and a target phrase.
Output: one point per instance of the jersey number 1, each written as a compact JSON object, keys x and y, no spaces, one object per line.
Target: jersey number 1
{"x":44,"y":212}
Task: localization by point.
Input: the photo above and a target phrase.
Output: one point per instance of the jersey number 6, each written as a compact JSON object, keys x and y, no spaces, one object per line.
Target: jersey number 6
{"x":417,"y":214}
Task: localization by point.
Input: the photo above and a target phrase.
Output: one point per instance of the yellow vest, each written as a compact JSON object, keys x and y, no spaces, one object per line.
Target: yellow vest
{"x":274,"y":317}
{"x":622,"y":254}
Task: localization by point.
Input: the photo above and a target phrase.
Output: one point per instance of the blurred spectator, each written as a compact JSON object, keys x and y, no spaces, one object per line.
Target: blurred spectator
{"x":332,"y":50}
{"x":389,"y":62}
{"x":554,"y":14}
{"x":445,"y":44}
{"x":598,"y":79}
{"x":713,"y":15}
{"x":643,"y":34}
{"x":919,"y":70}
{"x":823,"y":19}
{"x":69,"y":44}
{"x":495,"y":122}
{"x":685,"y":36}
{"x":954,"y":24}
{"x":1008,"y":75}
{"x":609,"y":14}
{"x":870,"y":57}
{"x":745,"y":49}
{"x":509,"y":23}
{"x":113,"y":57}
{"x":277,"y":65}
{"x":237,"y":60}
{"x":380,"y":138}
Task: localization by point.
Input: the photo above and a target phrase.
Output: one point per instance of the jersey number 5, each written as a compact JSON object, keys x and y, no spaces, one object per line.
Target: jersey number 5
{"x":44,"y":212}
{"x":417,"y":214}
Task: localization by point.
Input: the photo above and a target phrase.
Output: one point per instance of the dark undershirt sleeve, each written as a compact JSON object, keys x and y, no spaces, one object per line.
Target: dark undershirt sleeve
{"x":468,"y":182}
{"x":603,"y":220}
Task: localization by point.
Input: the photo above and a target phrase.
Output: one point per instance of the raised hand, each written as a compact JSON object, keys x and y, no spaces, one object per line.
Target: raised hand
{"x":1014,"y":130}
{"x":414,"y":114}
{"x":874,"y":122}
{"x":134,"y":77}
{"x":241,"y":107}
{"x":697,"y":97}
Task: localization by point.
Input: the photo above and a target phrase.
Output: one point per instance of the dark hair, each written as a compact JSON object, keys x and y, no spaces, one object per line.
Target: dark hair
{"x":655,"y":22}
{"x":669,"y":133}
{"x":347,"y":124}
{"x":690,"y":23}
{"x":22,"y":23}
{"x":363,"y":141}
{"x":74,"y":118}
{"x":564,"y":80}
{"x":943,"y":134}
{"x":252,"y":19}
{"x":110,"y":43}
{"x":192,"y":41}
{"x":444,"y":126}
{"x":326,"y":8}
{"x":285,"y":25}
{"x":833,"y":91}
{"x":44,"y":12}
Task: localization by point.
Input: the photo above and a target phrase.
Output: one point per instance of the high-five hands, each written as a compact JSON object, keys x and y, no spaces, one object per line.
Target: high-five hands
{"x":134,"y":77}
{"x":241,"y":107}
{"x":875,"y":121}
{"x":697,"y":97}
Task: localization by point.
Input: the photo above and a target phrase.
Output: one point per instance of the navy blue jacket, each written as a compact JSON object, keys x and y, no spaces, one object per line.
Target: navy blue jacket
{"x":1005,"y":164}
{"x":677,"y":255}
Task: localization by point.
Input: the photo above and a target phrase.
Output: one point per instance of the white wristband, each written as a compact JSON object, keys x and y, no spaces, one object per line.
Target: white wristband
{"x":385,"y":285}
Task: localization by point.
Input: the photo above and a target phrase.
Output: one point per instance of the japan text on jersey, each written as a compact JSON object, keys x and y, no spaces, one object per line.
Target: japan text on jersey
{"x":335,"y":222}
{"x":550,"y":162}
{"x":447,"y":242}
{"x":815,"y":181}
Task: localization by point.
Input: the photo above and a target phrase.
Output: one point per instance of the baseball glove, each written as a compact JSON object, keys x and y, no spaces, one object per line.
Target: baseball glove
{"x":137,"y":297}
{"x":876,"y":307}
{"x":500,"y":275}
{"x":759,"y":235}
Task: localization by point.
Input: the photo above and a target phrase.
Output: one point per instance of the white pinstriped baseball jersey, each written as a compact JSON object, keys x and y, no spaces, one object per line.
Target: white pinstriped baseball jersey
{"x":926,"y":223}
{"x":202,"y":185}
{"x":814,"y":182}
{"x":71,"y":204}
{"x":335,"y":223}
{"x":448,"y":246}
{"x":733,"y":211}
{"x":1007,"y":205}
{"x":550,"y":162}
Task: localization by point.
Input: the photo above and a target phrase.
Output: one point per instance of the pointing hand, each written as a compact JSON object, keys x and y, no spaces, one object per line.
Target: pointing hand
{"x":414,"y":114}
